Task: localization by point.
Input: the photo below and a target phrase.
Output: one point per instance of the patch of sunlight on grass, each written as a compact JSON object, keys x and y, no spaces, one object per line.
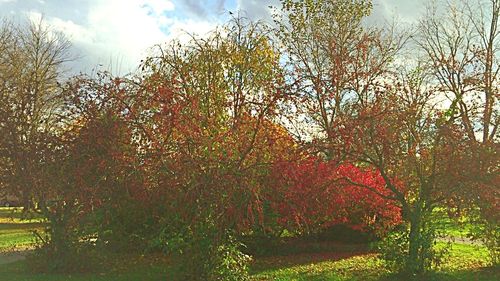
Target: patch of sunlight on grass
{"x":361,"y":267}
{"x":465,"y":262}
{"x":15,"y":230}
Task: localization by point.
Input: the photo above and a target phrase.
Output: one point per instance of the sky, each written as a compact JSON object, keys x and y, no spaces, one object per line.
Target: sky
{"x":116,"y":34}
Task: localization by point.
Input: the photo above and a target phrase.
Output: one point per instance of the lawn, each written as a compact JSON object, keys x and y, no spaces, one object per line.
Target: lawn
{"x":322,"y":261}
{"x":16,"y":232}
{"x":457,"y":228}
{"x":130,"y":269}
{"x":466,"y":262}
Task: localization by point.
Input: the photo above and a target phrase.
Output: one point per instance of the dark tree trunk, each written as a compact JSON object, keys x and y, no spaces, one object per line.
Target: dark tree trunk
{"x":414,"y":264}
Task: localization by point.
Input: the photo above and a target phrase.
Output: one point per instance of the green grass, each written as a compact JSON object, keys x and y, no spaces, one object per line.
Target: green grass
{"x":312,"y":261}
{"x":458,"y":228}
{"x":16,"y":234}
{"x":466,"y":262}
{"x":143,"y":270}
{"x":15,"y":239}
{"x":362,"y":267}
{"x":15,"y":231}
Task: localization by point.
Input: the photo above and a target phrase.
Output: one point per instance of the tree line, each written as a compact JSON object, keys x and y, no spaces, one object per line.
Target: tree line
{"x":312,"y":121}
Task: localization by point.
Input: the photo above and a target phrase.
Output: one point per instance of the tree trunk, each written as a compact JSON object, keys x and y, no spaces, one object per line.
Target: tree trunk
{"x":414,"y":264}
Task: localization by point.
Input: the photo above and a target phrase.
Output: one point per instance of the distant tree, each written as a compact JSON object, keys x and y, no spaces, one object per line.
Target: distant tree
{"x":333,"y":61}
{"x":32,"y":58}
{"x":461,"y":47}
{"x":31,"y":61}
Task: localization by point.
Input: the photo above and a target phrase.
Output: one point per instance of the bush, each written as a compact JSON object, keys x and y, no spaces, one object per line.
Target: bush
{"x":124,"y":227}
{"x":395,"y":248}
{"x":229,"y":262}
{"x":58,"y":246}
{"x":76,"y":257}
{"x":205,"y":254}
{"x":489,"y":234}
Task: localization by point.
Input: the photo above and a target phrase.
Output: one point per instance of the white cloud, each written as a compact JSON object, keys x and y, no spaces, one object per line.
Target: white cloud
{"x":406,"y":11}
{"x":259,"y":9}
{"x":182,"y":29}
{"x":124,"y":29}
{"x":118,"y":34}
{"x":160,"y":5}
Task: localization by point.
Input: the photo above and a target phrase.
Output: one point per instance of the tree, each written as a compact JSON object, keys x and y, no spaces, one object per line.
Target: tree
{"x":341,"y":72}
{"x":367,"y":114}
{"x":204,"y":112}
{"x":101,"y":167}
{"x":462,"y":51}
{"x":333,"y":61}
{"x":461,"y":48}
{"x":404,"y":135}
{"x":31,"y":63}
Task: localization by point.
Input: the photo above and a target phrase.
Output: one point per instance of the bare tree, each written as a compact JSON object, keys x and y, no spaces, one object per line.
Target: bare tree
{"x":462,"y":47}
{"x":31,"y":61}
{"x":333,"y":60}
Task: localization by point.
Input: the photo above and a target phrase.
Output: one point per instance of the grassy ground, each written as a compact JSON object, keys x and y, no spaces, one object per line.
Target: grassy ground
{"x":466,"y":262}
{"x":313,"y":267}
{"x":323,"y":261}
{"x":129,"y":269}
{"x":16,"y":235}
{"x":15,"y":232}
{"x":457,"y":228}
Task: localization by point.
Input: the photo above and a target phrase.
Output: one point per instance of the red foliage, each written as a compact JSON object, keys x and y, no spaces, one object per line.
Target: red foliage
{"x":310,"y":194}
{"x":101,"y":163}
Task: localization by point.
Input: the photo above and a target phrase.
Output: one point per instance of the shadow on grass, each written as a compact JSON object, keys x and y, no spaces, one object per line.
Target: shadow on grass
{"x":292,"y":260}
{"x":117,"y":268}
{"x":466,"y":262}
{"x":292,"y":256}
{"x":21,"y":226}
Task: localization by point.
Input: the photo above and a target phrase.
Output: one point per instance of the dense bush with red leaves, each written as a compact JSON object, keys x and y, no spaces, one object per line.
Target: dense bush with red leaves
{"x":311,"y":194}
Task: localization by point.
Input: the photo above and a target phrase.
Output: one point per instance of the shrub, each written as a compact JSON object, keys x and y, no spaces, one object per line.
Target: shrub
{"x":206,"y":254}
{"x":229,"y":262}
{"x":489,"y":234}
{"x":75,"y":257}
{"x":395,"y":247}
